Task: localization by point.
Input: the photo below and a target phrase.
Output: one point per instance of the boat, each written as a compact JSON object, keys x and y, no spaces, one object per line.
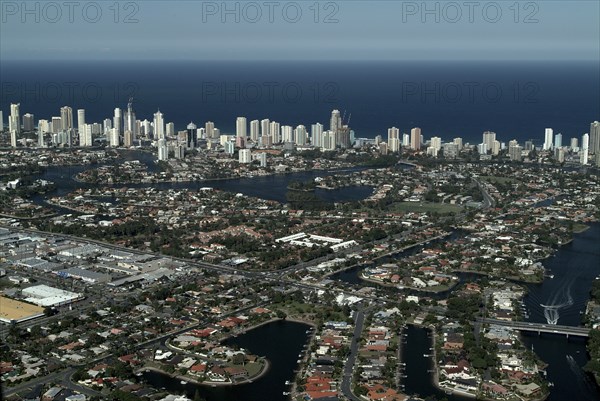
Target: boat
{"x":183,"y":382}
{"x":287,"y":382}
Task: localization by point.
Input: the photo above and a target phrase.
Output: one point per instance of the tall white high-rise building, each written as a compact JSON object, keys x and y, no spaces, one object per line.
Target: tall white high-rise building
{"x":574,"y":144}
{"x":66,"y":115}
{"x":548,"y":136}
{"x":275,"y":132}
{"x":159,"y":126}
{"x":496,"y":147}
{"x":130,"y":121}
{"x":585,"y":148}
{"x":85,"y":135}
{"x":107,"y":127}
{"x":558,"y":140}
{"x":44,"y":126}
{"x":28,"y":122}
{"x":41,"y":137}
{"x":436,"y":143}
{"x":241,"y":127}
{"x":1,"y":121}
{"x":328,"y":141}
{"x":80,"y":120}
{"x":287,"y":134}
{"x":415,"y":138}
{"x":170,"y":130}
{"x":336,"y":121}
{"x":146,"y":129}
{"x":488,"y":138}
{"x":245,"y":156}
{"x":163,"y":149}
{"x":254,"y":130}
{"x":114,"y":138}
{"x":14,"y":120}
{"x":459,"y":143}
{"x":405,"y":140}
{"x":209,"y":128}
{"x":316,"y":134}
{"x":300,"y":135}
{"x":595,"y":137}
{"x":393,"y":139}
{"x":118,"y":120}
{"x":57,"y":125}
{"x":265,"y":127}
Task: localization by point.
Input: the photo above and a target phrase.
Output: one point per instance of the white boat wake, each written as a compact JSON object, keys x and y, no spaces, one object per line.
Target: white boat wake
{"x":561,"y":299}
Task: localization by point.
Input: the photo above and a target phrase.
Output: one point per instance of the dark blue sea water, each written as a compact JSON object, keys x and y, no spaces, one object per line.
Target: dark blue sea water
{"x":447,"y":99}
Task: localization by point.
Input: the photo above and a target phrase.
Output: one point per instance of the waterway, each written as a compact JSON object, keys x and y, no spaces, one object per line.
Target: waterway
{"x":419,"y":365}
{"x":273,"y":187}
{"x":574,"y":267}
{"x":280,"y":342}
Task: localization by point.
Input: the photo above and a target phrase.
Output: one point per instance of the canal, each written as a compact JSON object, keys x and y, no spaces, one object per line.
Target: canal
{"x":281,"y":342}
{"x":272,"y":187}
{"x":563,"y":299}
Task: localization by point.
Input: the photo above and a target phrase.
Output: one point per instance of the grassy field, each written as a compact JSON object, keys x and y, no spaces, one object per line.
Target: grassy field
{"x":425,"y":207}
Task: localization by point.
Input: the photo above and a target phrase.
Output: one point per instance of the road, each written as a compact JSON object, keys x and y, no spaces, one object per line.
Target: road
{"x":351,"y":361}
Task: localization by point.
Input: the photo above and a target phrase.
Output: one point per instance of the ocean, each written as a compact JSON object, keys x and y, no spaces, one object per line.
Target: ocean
{"x":517,"y":100}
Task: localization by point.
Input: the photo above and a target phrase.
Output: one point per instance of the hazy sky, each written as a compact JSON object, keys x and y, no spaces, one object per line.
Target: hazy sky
{"x":264,"y":30}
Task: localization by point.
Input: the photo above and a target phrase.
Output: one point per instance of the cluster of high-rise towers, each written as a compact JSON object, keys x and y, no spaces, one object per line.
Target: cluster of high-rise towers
{"x":124,"y":129}
{"x":588,"y":149}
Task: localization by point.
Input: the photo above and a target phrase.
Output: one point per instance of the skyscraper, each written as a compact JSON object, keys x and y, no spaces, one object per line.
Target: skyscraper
{"x":14,"y":120}
{"x":1,"y":121}
{"x":300,"y":135}
{"x":488,"y":138}
{"x":558,"y":140}
{"x":415,"y":138}
{"x":163,"y":149}
{"x":241,"y":127}
{"x":170,"y":130}
{"x":275,"y":131}
{"x":66,"y":115}
{"x":287,"y":134}
{"x":548,"y":135}
{"x":595,"y":137}
{"x":514,"y":151}
{"x":114,"y":139}
{"x":245,"y":156}
{"x":209,"y":128}
{"x":336,"y":121}
{"x":265,"y":127}
{"x":130,"y":120}
{"x":574,"y":144}
{"x":316,"y":133}
{"x":192,"y":136}
{"x":85,"y":135}
{"x":117,"y":120}
{"x":254,"y":130}
{"x":328,"y":140}
{"x":584,"y":151}
{"x":28,"y":123}
{"x":80,"y":120}
{"x":393,"y":139}
{"x":159,"y":126}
